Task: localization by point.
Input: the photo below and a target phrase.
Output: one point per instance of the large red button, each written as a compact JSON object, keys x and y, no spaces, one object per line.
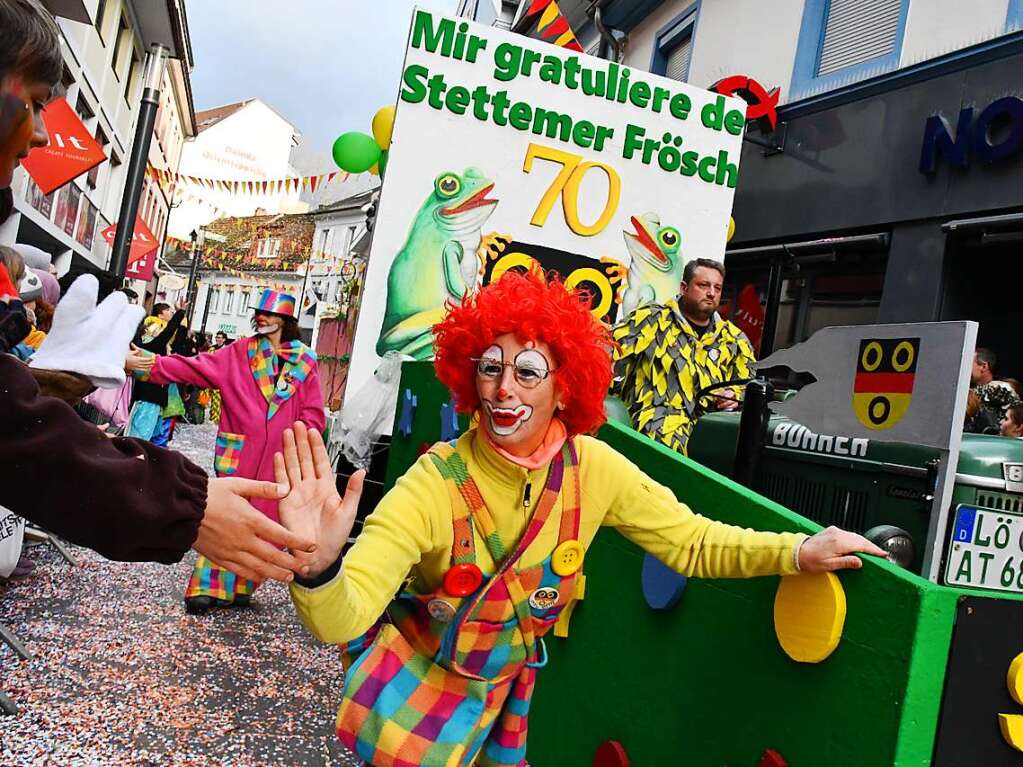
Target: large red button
{"x":610,"y":753}
{"x":462,"y":580}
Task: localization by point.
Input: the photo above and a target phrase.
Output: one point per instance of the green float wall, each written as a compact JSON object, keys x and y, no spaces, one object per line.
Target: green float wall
{"x":705,"y":683}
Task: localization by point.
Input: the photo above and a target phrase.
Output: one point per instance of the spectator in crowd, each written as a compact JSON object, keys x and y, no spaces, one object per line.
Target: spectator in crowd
{"x":995,"y":396}
{"x":1012,"y":424}
{"x":666,"y":353}
{"x":149,"y":399}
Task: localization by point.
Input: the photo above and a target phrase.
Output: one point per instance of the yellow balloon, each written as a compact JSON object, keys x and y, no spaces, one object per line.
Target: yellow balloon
{"x":383,"y":124}
{"x":731,"y":228}
{"x":375,"y":170}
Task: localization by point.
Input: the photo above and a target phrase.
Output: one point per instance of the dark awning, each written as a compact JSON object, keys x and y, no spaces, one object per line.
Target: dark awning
{"x":807,"y":250}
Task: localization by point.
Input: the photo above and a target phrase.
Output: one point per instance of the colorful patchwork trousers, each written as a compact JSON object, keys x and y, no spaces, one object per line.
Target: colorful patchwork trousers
{"x":211,"y":580}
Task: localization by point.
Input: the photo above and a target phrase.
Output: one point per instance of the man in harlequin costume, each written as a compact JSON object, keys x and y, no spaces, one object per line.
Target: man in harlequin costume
{"x":268,"y":381}
{"x":484,"y":539}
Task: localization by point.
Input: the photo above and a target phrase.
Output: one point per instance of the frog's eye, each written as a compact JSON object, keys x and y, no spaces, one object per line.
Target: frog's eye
{"x":669,"y":237}
{"x":448,"y":185}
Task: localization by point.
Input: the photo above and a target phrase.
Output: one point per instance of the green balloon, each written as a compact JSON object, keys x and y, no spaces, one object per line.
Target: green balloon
{"x":383,"y":162}
{"x":356,"y":152}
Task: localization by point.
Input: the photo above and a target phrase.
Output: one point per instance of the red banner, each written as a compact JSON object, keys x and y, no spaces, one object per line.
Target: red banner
{"x":142,"y":255}
{"x":72,"y":150}
{"x":143,"y":268}
{"x":749,"y":315}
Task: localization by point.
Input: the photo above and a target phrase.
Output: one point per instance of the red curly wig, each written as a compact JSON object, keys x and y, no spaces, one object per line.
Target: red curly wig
{"x":534,"y":310}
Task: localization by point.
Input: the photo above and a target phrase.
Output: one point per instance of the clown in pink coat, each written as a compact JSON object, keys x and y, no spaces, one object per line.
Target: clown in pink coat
{"x":268,"y":381}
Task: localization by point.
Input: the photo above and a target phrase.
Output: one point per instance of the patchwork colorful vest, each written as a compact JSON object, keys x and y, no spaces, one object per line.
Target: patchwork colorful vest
{"x":446,"y":681}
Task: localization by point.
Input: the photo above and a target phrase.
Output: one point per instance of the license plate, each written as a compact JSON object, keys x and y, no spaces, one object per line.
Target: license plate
{"x":986,"y":550}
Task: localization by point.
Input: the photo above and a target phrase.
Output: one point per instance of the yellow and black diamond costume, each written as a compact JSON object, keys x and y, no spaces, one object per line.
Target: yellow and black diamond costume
{"x":662,"y":362}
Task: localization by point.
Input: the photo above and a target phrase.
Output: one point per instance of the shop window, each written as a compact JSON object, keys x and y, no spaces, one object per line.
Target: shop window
{"x":844,"y":41}
{"x":121,"y":38}
{"x":101,"y":12}
{"x":129,"y":81}
{"x":83,"y":109}
{"x":673,"y":45}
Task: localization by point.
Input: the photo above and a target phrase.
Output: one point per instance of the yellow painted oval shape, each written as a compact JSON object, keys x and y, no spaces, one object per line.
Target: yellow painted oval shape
{"x":1014,"y":679}
{"x":809,"y":615}
{"x":1011,"y":726}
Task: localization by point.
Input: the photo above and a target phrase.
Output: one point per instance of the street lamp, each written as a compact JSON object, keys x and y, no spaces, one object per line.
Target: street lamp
{"x":198,"y":238}
{"x":156,"y":62}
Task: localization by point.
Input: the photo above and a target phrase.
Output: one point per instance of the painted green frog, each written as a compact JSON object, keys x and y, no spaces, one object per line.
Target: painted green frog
{"x":654,"y":274}
{"x":438,"y":262}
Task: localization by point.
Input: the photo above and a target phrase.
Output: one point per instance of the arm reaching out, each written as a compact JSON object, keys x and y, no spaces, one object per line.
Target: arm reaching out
{"x":835,"y":549}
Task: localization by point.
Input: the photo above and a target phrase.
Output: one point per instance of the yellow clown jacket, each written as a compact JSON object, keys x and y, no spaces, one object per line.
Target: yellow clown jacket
{"x":661,"y":363}
{"x":410,"y":532}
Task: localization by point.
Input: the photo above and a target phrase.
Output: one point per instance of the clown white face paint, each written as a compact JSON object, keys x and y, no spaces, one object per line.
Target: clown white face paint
{"x":517,"y":393}
{"x":266,"y":324}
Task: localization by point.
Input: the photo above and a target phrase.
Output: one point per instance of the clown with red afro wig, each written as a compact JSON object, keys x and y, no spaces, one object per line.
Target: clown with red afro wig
{"x":534,"y":310}
{"x":484,"y":539}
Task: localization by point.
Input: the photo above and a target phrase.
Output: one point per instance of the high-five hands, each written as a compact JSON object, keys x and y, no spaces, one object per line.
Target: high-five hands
{"x":313,"y":509}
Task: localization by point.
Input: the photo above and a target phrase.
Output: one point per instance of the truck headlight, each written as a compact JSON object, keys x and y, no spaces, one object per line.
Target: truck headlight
{"x":896,"y":541}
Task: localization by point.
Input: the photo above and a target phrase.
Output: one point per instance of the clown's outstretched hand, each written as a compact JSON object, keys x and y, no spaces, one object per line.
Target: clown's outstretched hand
{"x":835,"y":549}
{"x":313,"y":509}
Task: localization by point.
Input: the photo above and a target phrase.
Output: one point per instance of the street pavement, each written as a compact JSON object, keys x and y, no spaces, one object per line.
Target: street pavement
{"x":121,"y":675}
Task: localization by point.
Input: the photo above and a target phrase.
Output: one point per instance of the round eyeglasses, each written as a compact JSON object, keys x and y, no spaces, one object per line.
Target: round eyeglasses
{"x":527,"y":376}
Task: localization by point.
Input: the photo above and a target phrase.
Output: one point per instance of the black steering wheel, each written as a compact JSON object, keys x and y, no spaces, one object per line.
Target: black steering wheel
{"x":702,"y":394}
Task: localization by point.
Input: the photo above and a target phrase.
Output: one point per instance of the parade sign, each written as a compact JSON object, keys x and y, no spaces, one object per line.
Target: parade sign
{"x":890,"y":383}
{"x":508,"y":152}
{"x":71,"y":152}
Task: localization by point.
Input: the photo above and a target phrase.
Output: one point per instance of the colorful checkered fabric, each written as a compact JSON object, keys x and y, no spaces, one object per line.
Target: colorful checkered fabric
{"x":211,"y":580}
{"x":438,"y":694}
{"x":227,"y":453}
{"x":275,"y":302}
{"x":298,"y":361}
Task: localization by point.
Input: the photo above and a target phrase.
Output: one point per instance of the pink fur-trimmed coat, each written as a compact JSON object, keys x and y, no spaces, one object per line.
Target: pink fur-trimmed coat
{"x":251,"y":424}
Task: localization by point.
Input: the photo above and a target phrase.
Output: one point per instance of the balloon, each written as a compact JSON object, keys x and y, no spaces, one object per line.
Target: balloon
{"x":383,"y":124}
{"x":731,"y":228}
{"x":375,"y":170}
{"x":355,"y":152}
{"x":383,"y":161}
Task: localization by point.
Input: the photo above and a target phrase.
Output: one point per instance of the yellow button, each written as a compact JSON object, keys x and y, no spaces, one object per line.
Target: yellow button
{"x":567,"y":558}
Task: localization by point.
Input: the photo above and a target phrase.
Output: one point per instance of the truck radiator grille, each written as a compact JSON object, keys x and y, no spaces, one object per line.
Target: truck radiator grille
{"x":1000,"y":501}
{"x":849,"y":509}
{"x":799,"y":494}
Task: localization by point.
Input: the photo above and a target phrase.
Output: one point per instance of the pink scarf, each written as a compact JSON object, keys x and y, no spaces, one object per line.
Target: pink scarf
{"x":552,"y":442}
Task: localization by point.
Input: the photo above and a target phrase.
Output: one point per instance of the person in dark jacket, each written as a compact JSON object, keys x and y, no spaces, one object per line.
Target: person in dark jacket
{"x":149,"y":399}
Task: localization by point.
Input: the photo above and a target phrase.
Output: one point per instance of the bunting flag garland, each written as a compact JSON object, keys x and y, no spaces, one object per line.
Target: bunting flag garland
{"x":170,"y":180}
{"x":552,"y":26}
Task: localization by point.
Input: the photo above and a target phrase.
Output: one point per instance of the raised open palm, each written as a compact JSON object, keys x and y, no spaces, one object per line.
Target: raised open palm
{"x":313,"y":509}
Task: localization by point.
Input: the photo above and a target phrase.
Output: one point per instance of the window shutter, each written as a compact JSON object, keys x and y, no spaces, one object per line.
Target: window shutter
{"x":678,"y":60}
{"x":857,"y":31}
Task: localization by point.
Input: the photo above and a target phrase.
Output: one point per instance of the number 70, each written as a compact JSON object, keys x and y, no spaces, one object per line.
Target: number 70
{"x":566,"y":184}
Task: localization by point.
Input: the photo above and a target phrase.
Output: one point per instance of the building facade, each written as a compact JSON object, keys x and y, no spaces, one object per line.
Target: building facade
{"x":104,"y":48}
{"x":246,"y":141}
{"x":242,"y":256}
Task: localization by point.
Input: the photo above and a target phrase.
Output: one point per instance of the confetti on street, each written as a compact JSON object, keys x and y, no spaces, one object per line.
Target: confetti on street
{"x":121,"y":675}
